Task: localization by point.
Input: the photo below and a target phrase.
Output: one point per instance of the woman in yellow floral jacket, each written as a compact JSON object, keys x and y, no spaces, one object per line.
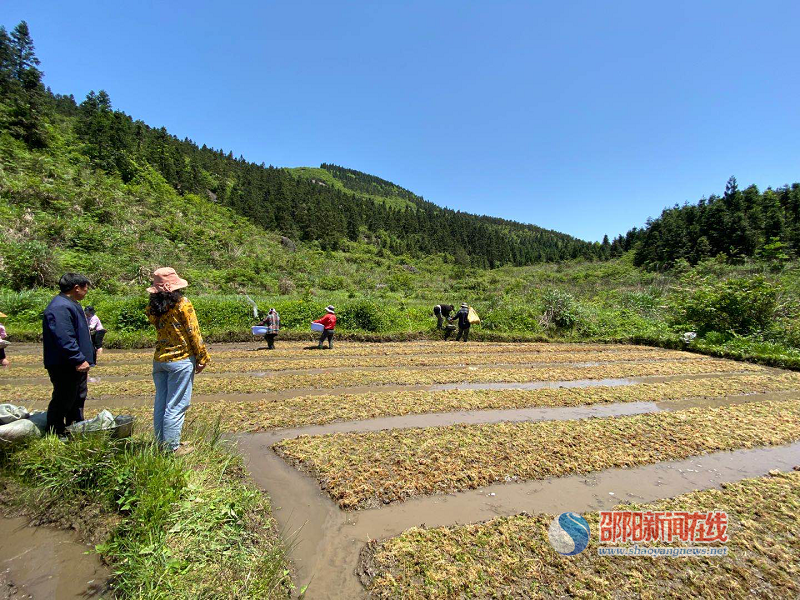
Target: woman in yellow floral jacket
{"x":180,"y":353}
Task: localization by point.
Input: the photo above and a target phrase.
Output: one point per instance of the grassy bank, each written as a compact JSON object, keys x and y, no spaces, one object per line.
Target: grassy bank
{"x":170,"y":527}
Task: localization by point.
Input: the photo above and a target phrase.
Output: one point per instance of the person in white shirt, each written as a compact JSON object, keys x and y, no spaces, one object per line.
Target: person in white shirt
{"x":96,"y":330}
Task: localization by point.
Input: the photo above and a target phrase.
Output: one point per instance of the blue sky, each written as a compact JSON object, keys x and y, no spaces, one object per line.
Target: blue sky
{"x":584,"y":117}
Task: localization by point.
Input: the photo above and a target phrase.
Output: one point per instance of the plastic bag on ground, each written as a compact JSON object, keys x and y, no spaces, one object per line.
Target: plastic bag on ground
{"x":103,"y":421}
{"x":18,"y":431}
{"x":39,"y":418}
{"x":10,"y":413}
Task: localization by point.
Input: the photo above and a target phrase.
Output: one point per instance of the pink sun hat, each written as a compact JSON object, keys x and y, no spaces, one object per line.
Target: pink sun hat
{"x":166,"y":279}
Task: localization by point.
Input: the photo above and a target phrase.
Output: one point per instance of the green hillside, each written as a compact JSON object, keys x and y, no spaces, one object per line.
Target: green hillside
{"x":318,"y":174}
{"x":86,"y":188}
{"x":331,"y":206}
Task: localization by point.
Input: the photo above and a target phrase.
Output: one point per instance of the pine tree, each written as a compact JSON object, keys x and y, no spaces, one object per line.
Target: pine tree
{"x":21,"y":87}
{"x":24,"y":52}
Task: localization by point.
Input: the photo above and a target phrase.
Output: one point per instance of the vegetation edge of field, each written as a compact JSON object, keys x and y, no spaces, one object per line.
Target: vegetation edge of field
{"x":169,"y":527}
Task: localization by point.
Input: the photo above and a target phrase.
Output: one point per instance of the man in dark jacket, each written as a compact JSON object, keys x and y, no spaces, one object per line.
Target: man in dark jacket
{"x":462,"y":316}
{"x":68,"y":352}
{"x":442,"y":312}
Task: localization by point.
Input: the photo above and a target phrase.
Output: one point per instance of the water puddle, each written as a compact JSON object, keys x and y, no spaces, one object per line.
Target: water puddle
{"x":582,"y":383}
{"x":327,"y":541}
{"x":535,"y":385}
{"x":41,"y":562}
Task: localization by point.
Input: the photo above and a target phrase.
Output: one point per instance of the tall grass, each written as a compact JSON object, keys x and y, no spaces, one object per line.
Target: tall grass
{"x":183,"y":527}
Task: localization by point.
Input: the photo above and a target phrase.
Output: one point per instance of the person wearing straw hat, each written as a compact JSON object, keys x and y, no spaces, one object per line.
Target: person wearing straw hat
{"x":329,"y":323}
{"x":3,"y":336}
{"x":462,"y":316}
{"x":180,"y":353}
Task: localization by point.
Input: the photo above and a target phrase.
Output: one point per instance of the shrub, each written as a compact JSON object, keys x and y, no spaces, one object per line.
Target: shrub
{"x":25,"y":307}
{"x":645,"y":302}
{"x":286,"y":287}
{"x":299,"y":313}
{"x":332,"y":282}
{"x":741,"y":305}
{"x":131,"y":315}
{"x":223,"y":311}
{"x":401,"y":282}
{"x":365,"y":314}
{"x":29,"y":264}
{"x":511,"y":317}
{"x":561,"y":310}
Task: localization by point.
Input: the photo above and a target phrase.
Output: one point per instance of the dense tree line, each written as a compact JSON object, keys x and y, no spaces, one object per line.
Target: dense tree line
{"x":272,"y":197}
{"x":740,"y":223}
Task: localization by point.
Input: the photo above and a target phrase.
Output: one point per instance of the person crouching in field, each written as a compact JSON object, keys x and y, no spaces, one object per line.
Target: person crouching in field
{"x":96,"y":329}
{"x":273,"y":325}
{"x":442,"y":313}
{"x":67,"y":351}
{"x":462,"y":316}
{"x":3,"y":336}
{"x":329,"y":323}
{"x":180,"y":353}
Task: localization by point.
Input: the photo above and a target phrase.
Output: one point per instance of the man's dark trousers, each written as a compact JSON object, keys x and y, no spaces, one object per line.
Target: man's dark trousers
{"x":463,"y":331}
{"x":69,"y":396}
{"x":326,"y":335}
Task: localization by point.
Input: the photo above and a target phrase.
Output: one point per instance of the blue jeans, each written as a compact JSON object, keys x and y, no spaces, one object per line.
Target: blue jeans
{"x":173,"y":395}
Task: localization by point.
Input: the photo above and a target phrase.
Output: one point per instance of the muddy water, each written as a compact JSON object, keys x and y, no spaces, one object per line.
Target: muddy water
{"x":327,"y":541}
{"x":48,"y":563}
{"x":581,"y":383}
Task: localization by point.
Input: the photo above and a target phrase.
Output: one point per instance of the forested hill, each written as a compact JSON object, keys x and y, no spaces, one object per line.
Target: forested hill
{"x":273,"y":198}
{"x":738,"y":224}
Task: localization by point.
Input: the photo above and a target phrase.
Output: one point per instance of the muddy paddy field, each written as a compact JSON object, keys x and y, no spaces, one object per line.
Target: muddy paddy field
{"x":432,"y":469}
